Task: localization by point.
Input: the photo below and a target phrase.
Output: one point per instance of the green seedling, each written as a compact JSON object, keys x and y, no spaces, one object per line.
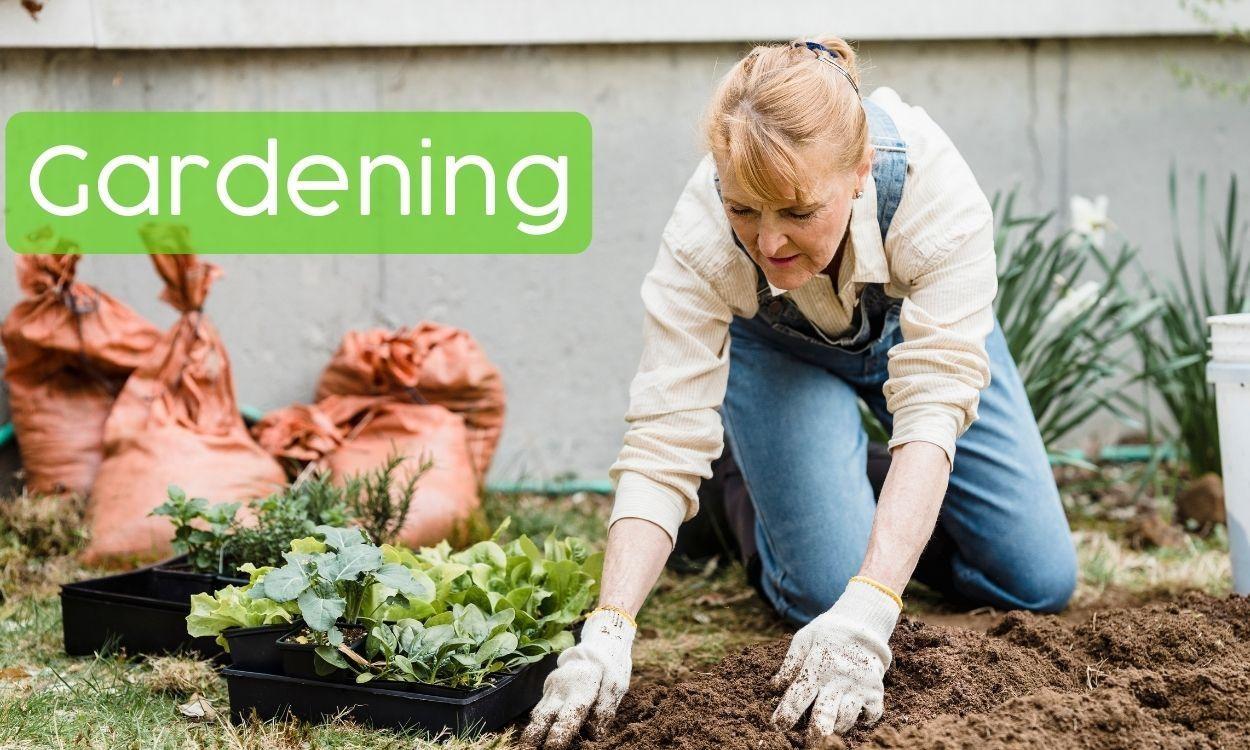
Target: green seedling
{"x":495,"y":607}
{"x":341,"y":576}
{"x":203,"y":543}
{"x":232,"y":607}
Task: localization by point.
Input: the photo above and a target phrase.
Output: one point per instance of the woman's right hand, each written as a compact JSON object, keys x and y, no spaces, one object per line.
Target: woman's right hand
{"x":590,"y":680}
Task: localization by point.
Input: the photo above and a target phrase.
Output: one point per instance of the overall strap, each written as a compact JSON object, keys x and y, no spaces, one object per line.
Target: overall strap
{"x":889,"y":163}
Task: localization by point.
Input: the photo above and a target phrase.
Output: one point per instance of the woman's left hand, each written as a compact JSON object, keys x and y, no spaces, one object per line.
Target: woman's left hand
{"x":836,"y":664}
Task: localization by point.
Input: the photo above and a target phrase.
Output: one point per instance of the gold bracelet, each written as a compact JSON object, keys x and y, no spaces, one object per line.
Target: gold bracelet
{"x":882,"y":588}
{"x":623,"y":613}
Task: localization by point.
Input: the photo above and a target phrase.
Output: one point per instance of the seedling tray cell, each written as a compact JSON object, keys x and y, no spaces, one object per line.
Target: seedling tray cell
{"x":300,"y":659}
{"x":485,"y":709}
{"x":256,"y":649}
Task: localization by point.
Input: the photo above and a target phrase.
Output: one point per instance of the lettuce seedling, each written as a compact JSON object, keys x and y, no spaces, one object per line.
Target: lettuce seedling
{"x":342,"y":576}
{"x":519,"y":598}
{"x":232,"y":607}
{"x":550,"y":587}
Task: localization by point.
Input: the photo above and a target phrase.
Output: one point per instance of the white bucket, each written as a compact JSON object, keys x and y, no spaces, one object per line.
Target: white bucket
{"x":1229,"y":370}
{"x":1230,"y":337}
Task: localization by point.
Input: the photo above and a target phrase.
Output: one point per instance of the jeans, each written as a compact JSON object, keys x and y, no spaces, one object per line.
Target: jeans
{"x":792,"y":420}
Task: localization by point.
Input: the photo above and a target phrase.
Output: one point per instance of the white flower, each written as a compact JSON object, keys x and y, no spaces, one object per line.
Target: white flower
{"x":1071,"y":306}
{"x":1089,"y":219}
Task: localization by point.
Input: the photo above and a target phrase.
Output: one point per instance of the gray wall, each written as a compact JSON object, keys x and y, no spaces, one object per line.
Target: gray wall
{"x":1053,"y":118}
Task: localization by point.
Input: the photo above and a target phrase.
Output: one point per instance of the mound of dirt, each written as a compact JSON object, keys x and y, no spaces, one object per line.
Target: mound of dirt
{"x":1172,"y":675}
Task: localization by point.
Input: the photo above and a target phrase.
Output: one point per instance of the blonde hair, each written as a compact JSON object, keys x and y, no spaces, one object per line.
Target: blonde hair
{"x":779,"y":99}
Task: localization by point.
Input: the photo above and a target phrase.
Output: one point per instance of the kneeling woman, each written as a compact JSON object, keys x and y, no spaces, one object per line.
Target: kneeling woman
{"x":830,"y":248}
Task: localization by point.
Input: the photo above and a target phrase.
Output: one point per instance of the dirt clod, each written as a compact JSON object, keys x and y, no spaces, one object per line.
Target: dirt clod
{"x":1169,"y":675}
{"x":1148,"y":529}
{"x":1202,"y":501}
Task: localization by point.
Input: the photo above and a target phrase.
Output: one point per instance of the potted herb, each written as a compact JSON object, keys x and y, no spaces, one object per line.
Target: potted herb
{"x":340,"y":584}
{"x":201,"y":533}
{"x":247,"y":628}
{"x":380,"y":499}
{"x":292,"y":514}
{"x":213,"y":540}
{"x":144,"y":611}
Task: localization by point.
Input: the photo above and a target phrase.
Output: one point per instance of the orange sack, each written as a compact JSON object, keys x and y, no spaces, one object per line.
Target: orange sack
{"x":428,"y":363}
{"x":70,"y":348}
{"x":355,"y":434}
{"x":175,"y":422}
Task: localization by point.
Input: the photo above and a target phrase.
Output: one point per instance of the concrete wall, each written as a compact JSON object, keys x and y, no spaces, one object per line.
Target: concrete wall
{"x":1055,"y":117}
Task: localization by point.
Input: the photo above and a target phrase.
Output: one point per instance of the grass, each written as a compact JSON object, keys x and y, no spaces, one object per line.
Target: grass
{"x":693,"y":620}
{"x":1110,"y":569}
{"x":1109,"y":509}
{"x":49,"y":700}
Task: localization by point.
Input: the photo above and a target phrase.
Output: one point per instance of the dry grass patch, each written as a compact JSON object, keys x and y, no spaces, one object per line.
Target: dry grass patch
{"x":1110,"y":567}
{"x":178,"y":676}
{"x":340,"y":734}
{"x":693,"y":620}
{"x":45,"y":525}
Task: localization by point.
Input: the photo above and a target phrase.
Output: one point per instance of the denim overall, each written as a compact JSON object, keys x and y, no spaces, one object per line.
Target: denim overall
{"x":792,"y":422}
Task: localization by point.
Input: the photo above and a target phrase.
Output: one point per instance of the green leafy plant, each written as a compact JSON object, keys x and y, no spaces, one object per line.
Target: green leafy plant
{"x":342,"y":576}
{"x":201,"y":530}
{"x":294,"y":513}
{"x":379,"y":500}
{"x":1211,"y":15}
{"x":215,"y":540}
{"x":324,"y":501}
{"x":1173,"y":353}
{"x":459,"y":648}
{"x":232,"y":607}
{"x":1067,"y":319}
{"x":495,"y":606}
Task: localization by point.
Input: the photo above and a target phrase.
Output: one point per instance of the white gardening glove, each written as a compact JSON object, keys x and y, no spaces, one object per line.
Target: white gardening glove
{"x":591,"y":678}
{"x":836,"y":663}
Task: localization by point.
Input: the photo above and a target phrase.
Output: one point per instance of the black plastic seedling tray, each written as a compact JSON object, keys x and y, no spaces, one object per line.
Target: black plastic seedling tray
{"x":427,"y":708}
{"x":300,"y":659}
{"x":142,"y":612}
{"x":176,"y":582}
{"x":256,"y":649}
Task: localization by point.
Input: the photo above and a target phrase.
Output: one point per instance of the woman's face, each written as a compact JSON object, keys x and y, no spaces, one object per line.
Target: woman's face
{"x":795,"y":239}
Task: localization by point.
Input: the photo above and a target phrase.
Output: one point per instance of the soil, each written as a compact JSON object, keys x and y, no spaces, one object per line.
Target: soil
{"x":305,"y":637}
{"x":1167,"y":675}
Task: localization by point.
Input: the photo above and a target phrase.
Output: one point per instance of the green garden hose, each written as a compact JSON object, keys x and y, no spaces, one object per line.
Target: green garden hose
{"x":1114,"y":454}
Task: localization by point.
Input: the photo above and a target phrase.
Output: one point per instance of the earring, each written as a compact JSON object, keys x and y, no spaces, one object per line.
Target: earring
{"x":859,"y":193}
